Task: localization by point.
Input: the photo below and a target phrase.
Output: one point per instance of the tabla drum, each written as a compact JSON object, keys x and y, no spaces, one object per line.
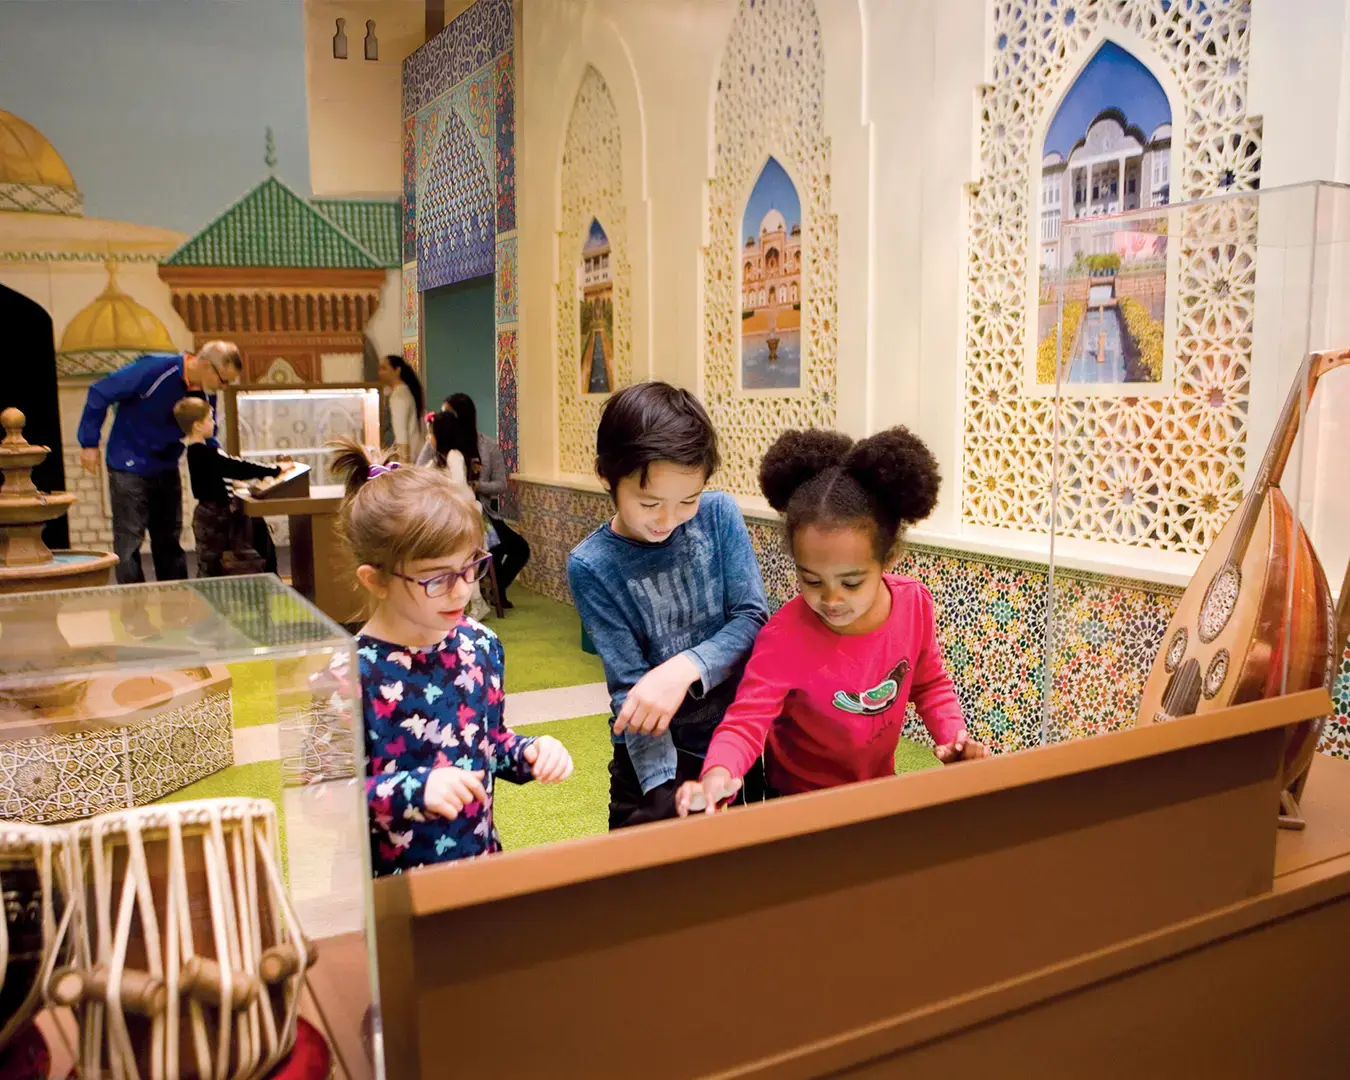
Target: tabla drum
{"x":31,"y":882}
{"x":188,"y":960}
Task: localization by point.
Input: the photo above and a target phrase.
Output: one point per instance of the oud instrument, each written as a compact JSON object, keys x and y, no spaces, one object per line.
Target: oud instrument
{"x":1257,"y":619}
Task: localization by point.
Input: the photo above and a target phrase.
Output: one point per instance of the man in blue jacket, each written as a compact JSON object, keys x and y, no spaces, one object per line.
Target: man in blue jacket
{"x":144,"y":489}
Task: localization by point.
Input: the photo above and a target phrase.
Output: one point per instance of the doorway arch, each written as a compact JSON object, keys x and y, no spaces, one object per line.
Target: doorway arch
{"x":29,"y":384}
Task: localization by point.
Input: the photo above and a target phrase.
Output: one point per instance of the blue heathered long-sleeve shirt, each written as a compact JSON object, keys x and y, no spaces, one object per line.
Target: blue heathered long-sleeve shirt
{"x":698,"y":593}
{"x":145,"y":438}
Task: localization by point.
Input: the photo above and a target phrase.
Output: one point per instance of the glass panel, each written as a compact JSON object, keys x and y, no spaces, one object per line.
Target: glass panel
{"x":149,"y":696}
{"x":1183,"y":333}
{"x":299,"y":422}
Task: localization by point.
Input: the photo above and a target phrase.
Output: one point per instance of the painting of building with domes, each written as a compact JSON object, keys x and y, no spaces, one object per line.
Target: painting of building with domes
{"x":771,"y":274}
{"x":79,"y":297}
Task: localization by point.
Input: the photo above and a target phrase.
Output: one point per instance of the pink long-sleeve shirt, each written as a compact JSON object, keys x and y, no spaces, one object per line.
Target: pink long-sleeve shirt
{"x":824,"y":702}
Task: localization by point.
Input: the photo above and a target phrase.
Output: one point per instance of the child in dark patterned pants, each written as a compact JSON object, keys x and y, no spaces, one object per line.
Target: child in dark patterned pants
{"x":215,"y":523}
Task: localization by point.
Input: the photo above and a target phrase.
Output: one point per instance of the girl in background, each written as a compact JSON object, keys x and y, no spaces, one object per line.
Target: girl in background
{"x":406,"y":402}
{"x":487,"y":475}
{"x":431,"y":679}
{"x":824,"y":695}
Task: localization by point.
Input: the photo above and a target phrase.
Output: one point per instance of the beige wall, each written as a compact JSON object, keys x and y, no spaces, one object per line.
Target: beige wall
{"x":901,"y":110}
{"x":355,"y":104}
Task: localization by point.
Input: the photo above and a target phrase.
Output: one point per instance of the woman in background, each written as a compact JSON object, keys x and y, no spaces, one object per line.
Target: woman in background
{"x":405,"y":404}
{"x":446,"y":456}
{"x":487,"y":476}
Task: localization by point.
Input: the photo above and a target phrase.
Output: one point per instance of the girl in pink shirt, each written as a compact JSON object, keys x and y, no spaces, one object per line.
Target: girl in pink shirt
{"x":823,"y":697}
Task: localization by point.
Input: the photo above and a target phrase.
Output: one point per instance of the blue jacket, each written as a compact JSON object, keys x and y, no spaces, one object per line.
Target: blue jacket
{"x":145,"y":438}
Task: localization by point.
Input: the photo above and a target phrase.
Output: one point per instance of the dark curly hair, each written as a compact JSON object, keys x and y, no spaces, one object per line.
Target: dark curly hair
{"x":890,"y":480}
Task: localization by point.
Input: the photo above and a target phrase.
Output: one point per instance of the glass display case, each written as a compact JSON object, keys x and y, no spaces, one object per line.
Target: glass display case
{"x":136,"y":703}
{"x":263,"y":422}
{"x":1191,"y":365}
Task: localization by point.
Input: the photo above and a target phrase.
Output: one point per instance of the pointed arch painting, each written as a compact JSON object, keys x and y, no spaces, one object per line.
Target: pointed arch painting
{"x":771,"y":273}
{"x":595,"y":305}
{"x":1107,"y":152}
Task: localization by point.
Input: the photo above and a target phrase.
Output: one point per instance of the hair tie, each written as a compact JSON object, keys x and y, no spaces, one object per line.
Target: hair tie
{"x":380,"y":470}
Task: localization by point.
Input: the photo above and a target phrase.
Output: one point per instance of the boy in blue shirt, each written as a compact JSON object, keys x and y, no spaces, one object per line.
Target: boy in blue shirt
{"x":669,"y":591}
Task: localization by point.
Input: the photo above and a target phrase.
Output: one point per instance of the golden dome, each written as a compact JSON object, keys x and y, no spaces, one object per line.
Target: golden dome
{"x":116,"y":322}
{"x":26,"y":157}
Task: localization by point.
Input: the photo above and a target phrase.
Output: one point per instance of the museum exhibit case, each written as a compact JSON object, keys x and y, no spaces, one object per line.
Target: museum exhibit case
{"x":184,"y":827}
{"x":297,"y":421}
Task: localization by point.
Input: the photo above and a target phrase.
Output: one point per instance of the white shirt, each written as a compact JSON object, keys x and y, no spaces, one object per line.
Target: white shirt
{"x":403,"y":418}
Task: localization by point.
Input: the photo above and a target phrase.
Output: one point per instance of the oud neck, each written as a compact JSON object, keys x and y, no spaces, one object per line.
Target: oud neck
{"x":1281,"y":445}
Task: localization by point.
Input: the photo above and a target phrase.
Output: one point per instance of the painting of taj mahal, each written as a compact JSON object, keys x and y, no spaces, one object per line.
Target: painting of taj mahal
{"x":771,"y":272}
{"x":1107,"y":152}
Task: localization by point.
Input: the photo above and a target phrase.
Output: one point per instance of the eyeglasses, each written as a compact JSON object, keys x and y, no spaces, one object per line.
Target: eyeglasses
{"x":225,"y":380}
{"x":440,"y":584}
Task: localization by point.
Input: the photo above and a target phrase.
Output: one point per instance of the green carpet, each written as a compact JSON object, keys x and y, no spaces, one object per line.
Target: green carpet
{"x":542,"y":639}
{"x":543,"y":813}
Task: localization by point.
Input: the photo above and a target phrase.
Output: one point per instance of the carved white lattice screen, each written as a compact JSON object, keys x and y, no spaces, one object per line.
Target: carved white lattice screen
{"x":1161,"y":472}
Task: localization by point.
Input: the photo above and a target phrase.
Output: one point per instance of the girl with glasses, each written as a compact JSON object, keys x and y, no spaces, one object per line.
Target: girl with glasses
{"x":432,"y":679}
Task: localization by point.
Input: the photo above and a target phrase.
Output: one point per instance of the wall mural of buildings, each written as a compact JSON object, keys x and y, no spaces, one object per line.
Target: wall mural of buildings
{"x":771,"y":274}
{"x":1108,"y":151}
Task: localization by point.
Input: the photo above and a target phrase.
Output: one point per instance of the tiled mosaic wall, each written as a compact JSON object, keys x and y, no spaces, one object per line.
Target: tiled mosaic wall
{"x":459,"y":179}
{"x":991,"y":623}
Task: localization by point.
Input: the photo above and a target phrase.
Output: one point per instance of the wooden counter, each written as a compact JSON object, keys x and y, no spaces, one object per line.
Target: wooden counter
{"x":319,"y":566}
{"x":1116,"y":906}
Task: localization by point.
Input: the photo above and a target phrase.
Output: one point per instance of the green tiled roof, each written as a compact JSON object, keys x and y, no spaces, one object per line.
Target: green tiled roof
{"x":373,"y":224}
{"x":272,"y":226}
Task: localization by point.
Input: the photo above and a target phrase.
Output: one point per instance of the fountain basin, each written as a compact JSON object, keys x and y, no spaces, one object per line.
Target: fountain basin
{"x":77,"y":568}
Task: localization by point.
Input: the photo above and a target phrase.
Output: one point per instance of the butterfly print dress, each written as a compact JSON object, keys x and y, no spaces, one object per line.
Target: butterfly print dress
{"x":426,"y":708}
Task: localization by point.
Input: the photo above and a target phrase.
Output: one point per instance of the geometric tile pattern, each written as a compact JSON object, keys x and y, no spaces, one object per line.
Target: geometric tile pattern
{"x":409,"y":320}
{"x":456,"y":234}
{"x":991,"y":616}
{"x":53,"y":778}
{"x":471,"y":41}
{"x":504,"y":109}
{"x":459,"y":169}
{"x":508,"y":415}
{"x":506,"y":280}
{"x":409,"y":189}
{"x":770,"y":102}
{"x":1156,"y":472}
{"x":592,"y":189}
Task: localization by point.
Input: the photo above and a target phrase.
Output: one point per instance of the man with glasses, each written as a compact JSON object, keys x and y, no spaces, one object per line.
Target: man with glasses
{"x":144,"y":489}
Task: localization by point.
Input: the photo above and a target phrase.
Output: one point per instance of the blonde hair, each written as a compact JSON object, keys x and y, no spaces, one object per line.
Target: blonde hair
{"x":191,"y":411}
{"x":400,"y":516}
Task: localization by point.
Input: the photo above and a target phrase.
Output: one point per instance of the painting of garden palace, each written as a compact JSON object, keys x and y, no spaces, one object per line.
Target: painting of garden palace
{"x":595,"y":302}
{"x":1108,"y":151}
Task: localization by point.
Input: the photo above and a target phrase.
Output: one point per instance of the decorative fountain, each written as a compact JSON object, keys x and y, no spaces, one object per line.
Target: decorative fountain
{"x":72,"y":744}
{"x":26,"y":563}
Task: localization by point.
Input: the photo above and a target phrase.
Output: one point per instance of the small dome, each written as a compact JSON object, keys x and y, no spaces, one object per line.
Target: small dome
{"x":773,"y":222}
{"x":26,"y":157}
{"x":116,"y":322}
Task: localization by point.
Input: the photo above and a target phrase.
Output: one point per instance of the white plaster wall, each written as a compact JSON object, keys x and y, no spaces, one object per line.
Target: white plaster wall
{"x":355,"y":105}
{"x":903,"y":79}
